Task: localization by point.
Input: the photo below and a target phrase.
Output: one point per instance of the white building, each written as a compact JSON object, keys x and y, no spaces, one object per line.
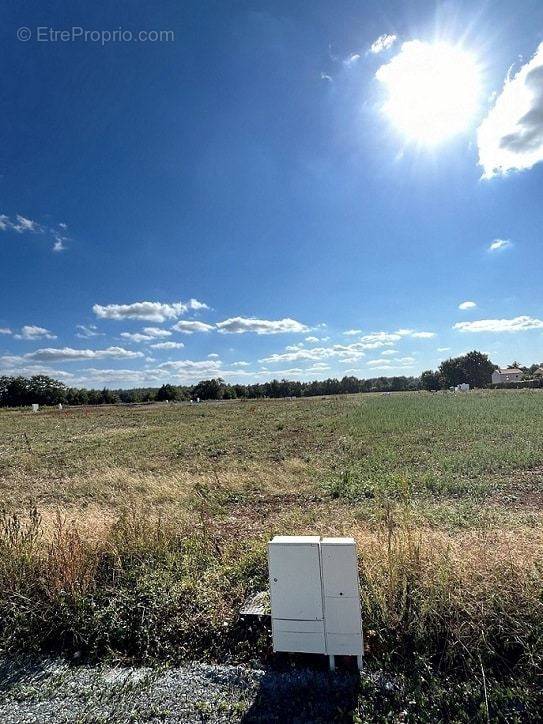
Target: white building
{"x":509,"y":374}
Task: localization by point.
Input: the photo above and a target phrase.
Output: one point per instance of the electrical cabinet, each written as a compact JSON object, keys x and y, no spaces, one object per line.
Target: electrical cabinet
{"x":314,"y":594}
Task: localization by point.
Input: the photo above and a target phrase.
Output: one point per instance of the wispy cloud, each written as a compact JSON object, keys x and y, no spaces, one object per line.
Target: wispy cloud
{"x":500,"y":245}
{"x":85,"y":331}
{"x":511,"y":136}
{"x":351,"y":59}
{"x":5,"y":330}
{"x":382,"y":43}
{"x":517,"y":324}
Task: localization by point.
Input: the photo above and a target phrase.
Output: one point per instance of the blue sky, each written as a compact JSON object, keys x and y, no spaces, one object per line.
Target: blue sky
{"x":240,"y":193}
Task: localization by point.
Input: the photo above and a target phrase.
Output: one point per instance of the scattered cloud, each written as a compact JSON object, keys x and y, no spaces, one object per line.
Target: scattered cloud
{"x":213,"y":355}
{"x":190,"y":325}
{"x":148,"y":311}
{"x":5,"y":330}
{"x":443,"y":349}
{"x":23,"y":224}
{"x":500,"y":245}
{"x":510,"y":138}
{"x":241,"y":363}
{"x":312,"y":340}
{"x":382,"y":43}
{"x":423,"y":335}
{"x":326,"y":77}
{"x":32,"y":332}
{"x":352,"y":332}
{"x":168,"y":345}
{"x":467,"y":305}
{"x":517,"y":324}
{"x":240,"y":325}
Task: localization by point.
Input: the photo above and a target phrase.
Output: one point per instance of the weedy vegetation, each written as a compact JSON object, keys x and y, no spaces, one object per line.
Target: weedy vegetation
{"x":137,"y":532}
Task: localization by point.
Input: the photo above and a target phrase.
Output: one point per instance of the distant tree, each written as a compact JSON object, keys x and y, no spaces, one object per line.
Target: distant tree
{"x":473,"y":368}
{"x":45,"y":390}
{"x":209,"y":389}
{"x":166,"y":392}
{"x":431,"y":380}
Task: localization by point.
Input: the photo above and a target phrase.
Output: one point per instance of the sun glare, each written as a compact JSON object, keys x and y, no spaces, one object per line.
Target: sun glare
{"x":433,"y":90}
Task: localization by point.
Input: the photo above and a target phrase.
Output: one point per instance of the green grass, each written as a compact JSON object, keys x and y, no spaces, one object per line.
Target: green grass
{"x":153,"y":521}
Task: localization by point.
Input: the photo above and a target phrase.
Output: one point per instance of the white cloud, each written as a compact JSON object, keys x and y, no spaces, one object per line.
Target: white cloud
{"x":351,"y":59}
{"x":380,"y":338}
{"x":352,"y":332}
{"x":241,"y":363}
{"x":68,"y":354}
{"x":5,"y":330}
{"x":423,"y":335}
{"x":213,"y":355}
{"x":190,"y":325}
{"x":517,"y":324}
{"x":391,"y":363}
{"x":312,"y":340}
{"x":511,"y":136}
{"x":86,"y":331}
{"x":240,"y":325}
{"x":156,"y":332}
{"x":388,"y":352}
{"x":500,"y":245}
{"x":23,"y":224}
{"x":467,"y":305}
{"x":443,"y":349}
{"x":32,"y":332}
{"x":59,"y":245}
{"x":168,"y":345}
{"x":148,"y":311}
{"x":351,"y":352}
{"x":383,"y":42}
{"x":5,"y":223}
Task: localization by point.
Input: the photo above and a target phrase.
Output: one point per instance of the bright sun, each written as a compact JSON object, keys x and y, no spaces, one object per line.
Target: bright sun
{"x":433,"y":90}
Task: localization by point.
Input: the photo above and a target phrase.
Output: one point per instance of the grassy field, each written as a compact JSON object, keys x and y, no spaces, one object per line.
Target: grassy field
{"x":138,"y":531}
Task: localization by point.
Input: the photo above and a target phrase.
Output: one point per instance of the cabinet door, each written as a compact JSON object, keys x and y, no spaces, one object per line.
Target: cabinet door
{"x":342,"y":615}
{"x":339,"y":570}
{"x":295,"y":581}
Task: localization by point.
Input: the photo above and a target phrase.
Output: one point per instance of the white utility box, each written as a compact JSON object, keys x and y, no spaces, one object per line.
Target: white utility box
{"x":314,"y":594}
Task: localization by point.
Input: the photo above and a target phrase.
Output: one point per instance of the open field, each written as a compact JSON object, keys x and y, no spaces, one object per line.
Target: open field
{"x":152,"y":523}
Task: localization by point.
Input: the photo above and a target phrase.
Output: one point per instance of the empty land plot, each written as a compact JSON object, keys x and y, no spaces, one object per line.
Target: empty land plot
{"x":154,"y":521}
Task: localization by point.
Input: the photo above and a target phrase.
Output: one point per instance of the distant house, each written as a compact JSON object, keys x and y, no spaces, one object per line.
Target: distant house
{"x":509,"y":374}
{"x":538,"y":372}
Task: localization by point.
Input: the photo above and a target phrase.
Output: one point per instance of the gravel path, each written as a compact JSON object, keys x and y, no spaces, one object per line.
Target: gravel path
{"x":53,"y":691}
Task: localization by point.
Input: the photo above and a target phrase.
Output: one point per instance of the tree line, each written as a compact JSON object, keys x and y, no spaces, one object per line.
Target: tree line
{"x":473,"y":368}
{"x":43,"y":390}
